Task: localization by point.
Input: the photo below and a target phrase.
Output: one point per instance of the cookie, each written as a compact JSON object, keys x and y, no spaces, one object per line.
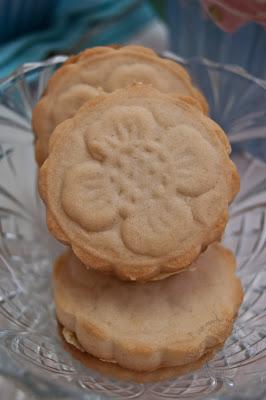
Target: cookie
{"x":105,"y":69}
{"x":113,"y":370}
{"x":138,"y":183}
{"x":175,"y":322}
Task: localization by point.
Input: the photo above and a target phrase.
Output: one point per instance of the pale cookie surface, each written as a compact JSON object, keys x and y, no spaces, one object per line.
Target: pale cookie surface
{"x":143,"y":327}
{"x":104,"y":69}
{"x":116,"y":371}
{"x":138,"y":183}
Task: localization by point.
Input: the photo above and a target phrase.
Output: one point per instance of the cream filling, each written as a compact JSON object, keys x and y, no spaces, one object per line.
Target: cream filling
{"x":71,"y":338}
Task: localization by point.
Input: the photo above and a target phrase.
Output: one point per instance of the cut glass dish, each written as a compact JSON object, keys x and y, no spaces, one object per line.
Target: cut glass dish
{"x":31,"y":353}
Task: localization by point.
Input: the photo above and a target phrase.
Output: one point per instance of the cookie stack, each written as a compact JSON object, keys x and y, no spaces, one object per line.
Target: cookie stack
{"x":136,"y":179}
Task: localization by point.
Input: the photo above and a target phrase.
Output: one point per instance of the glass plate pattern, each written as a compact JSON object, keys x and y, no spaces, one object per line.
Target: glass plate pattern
{"x":31,"y":353}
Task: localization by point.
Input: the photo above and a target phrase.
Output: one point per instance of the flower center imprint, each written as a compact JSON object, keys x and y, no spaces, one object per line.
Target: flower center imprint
{"x":137,"y":172}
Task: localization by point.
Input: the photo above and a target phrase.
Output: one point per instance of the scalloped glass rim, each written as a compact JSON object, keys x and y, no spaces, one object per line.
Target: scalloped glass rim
{"x":235,"y":69}
{"x":250,"y":203}
{"x":59,"y":59}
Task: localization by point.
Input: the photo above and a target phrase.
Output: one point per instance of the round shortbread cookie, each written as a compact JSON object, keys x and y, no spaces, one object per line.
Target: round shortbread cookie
{"x":138,"y":183}
{"x":104,"y":69}
{"x":143,"y":327}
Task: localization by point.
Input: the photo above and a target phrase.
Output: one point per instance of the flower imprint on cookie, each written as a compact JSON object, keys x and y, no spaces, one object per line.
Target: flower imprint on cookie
{"x":141,"y":178}
{"x":126,"y":74}
{"x":70,"y":100}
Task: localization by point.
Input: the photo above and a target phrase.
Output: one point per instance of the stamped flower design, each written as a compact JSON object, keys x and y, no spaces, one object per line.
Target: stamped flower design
{"x":70,"y":100}
{"x":126,"y":74}
{"x":140,"y":178}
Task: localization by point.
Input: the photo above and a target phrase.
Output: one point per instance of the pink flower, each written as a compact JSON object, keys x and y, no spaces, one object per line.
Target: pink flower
{"x":230,"y":15}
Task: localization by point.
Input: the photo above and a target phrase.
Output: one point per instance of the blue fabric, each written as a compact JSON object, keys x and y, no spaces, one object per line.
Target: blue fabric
{"x":70,"y":20}
{"x":19,"y":17}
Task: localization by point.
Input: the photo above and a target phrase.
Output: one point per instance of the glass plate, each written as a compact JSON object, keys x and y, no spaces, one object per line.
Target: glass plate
{"x":30,"y":350}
